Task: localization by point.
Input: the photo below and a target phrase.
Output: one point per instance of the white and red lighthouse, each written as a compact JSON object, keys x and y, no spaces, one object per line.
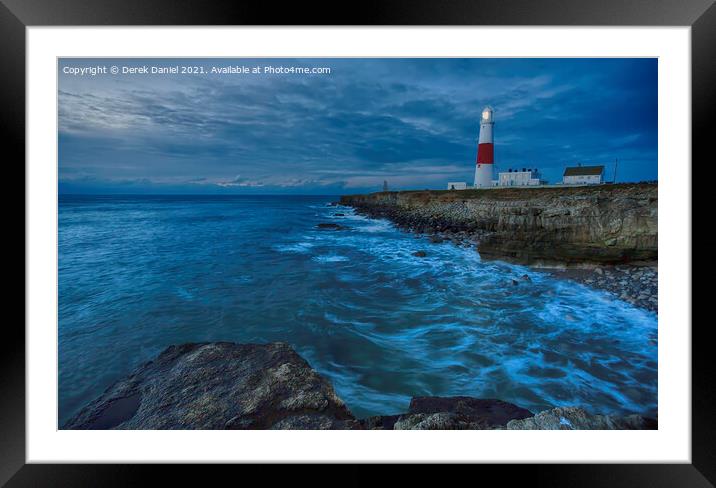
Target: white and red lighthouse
{"x":485,"y":151}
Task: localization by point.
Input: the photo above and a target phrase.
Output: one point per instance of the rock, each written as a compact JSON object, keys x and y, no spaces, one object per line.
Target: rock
{"x":332,"y":226}
{"x":435,"y":421}
{"x":486,"y":412}
{"x":436,"y":239}
{"x":219,"y":385}
{"x":379,"y":422}
{"x":314,"y":422}
{"x":573,"y":418}
{"x":420,"y":254}
{"x":599,"y":271}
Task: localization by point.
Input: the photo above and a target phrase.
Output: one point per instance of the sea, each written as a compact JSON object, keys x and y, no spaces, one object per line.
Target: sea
{"x":139,"y":273}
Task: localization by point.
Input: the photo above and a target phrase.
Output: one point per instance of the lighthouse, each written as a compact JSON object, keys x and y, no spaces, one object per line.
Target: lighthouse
{"x":485,"y":151}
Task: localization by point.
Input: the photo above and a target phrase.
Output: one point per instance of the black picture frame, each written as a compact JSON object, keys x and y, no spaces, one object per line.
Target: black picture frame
{"x":16,"y":15}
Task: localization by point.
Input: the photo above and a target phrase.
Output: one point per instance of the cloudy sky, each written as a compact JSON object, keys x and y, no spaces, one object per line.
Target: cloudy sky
{"x":412,"y":122}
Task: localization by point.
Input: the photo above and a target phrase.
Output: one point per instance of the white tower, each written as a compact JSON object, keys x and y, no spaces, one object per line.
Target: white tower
{"x":485,"y":151}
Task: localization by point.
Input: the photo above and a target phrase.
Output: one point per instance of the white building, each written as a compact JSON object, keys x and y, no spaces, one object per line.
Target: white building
{"x":457,"y":185}
{"x":583,"y":175}
{"x":526,"y":177}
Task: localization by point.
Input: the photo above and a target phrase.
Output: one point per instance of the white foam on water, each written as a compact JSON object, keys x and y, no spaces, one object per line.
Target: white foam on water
{"x":333,"y":318}
{"x":299,"y":247}
{"x":331,"y":258}
{"x":379,"y":226}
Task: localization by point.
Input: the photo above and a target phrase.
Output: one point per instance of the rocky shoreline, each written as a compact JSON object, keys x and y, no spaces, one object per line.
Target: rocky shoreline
{"x":636,"y":284}
{"x":604,"y":237}
{"x":222,"y":385}
{"x":633,"y":283}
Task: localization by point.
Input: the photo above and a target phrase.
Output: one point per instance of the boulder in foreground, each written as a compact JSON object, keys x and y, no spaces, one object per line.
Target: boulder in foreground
{"x":487,"y":412}
{"x":219,"y":385}
{"x":573,"y":418}
{"x":458,"y":413}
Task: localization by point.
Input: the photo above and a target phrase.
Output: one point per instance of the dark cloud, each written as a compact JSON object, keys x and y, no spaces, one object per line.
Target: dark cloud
{"x":411,"y":121}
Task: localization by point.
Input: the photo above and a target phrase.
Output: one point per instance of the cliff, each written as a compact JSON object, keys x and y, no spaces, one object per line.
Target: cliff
{"x":597,"y":224}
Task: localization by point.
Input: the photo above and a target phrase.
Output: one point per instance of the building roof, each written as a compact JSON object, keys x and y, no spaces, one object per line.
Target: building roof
{"x":583,"y":170}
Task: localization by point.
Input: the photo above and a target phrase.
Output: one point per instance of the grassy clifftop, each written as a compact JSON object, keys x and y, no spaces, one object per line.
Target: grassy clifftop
{"x":513,"y":193}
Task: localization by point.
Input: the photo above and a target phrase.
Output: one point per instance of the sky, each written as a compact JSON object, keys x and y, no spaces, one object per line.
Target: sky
{"x":411,"y":122}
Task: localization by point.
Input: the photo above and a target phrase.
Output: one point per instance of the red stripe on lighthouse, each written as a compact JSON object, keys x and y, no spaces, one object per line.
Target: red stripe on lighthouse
{"x":485,"y":153}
